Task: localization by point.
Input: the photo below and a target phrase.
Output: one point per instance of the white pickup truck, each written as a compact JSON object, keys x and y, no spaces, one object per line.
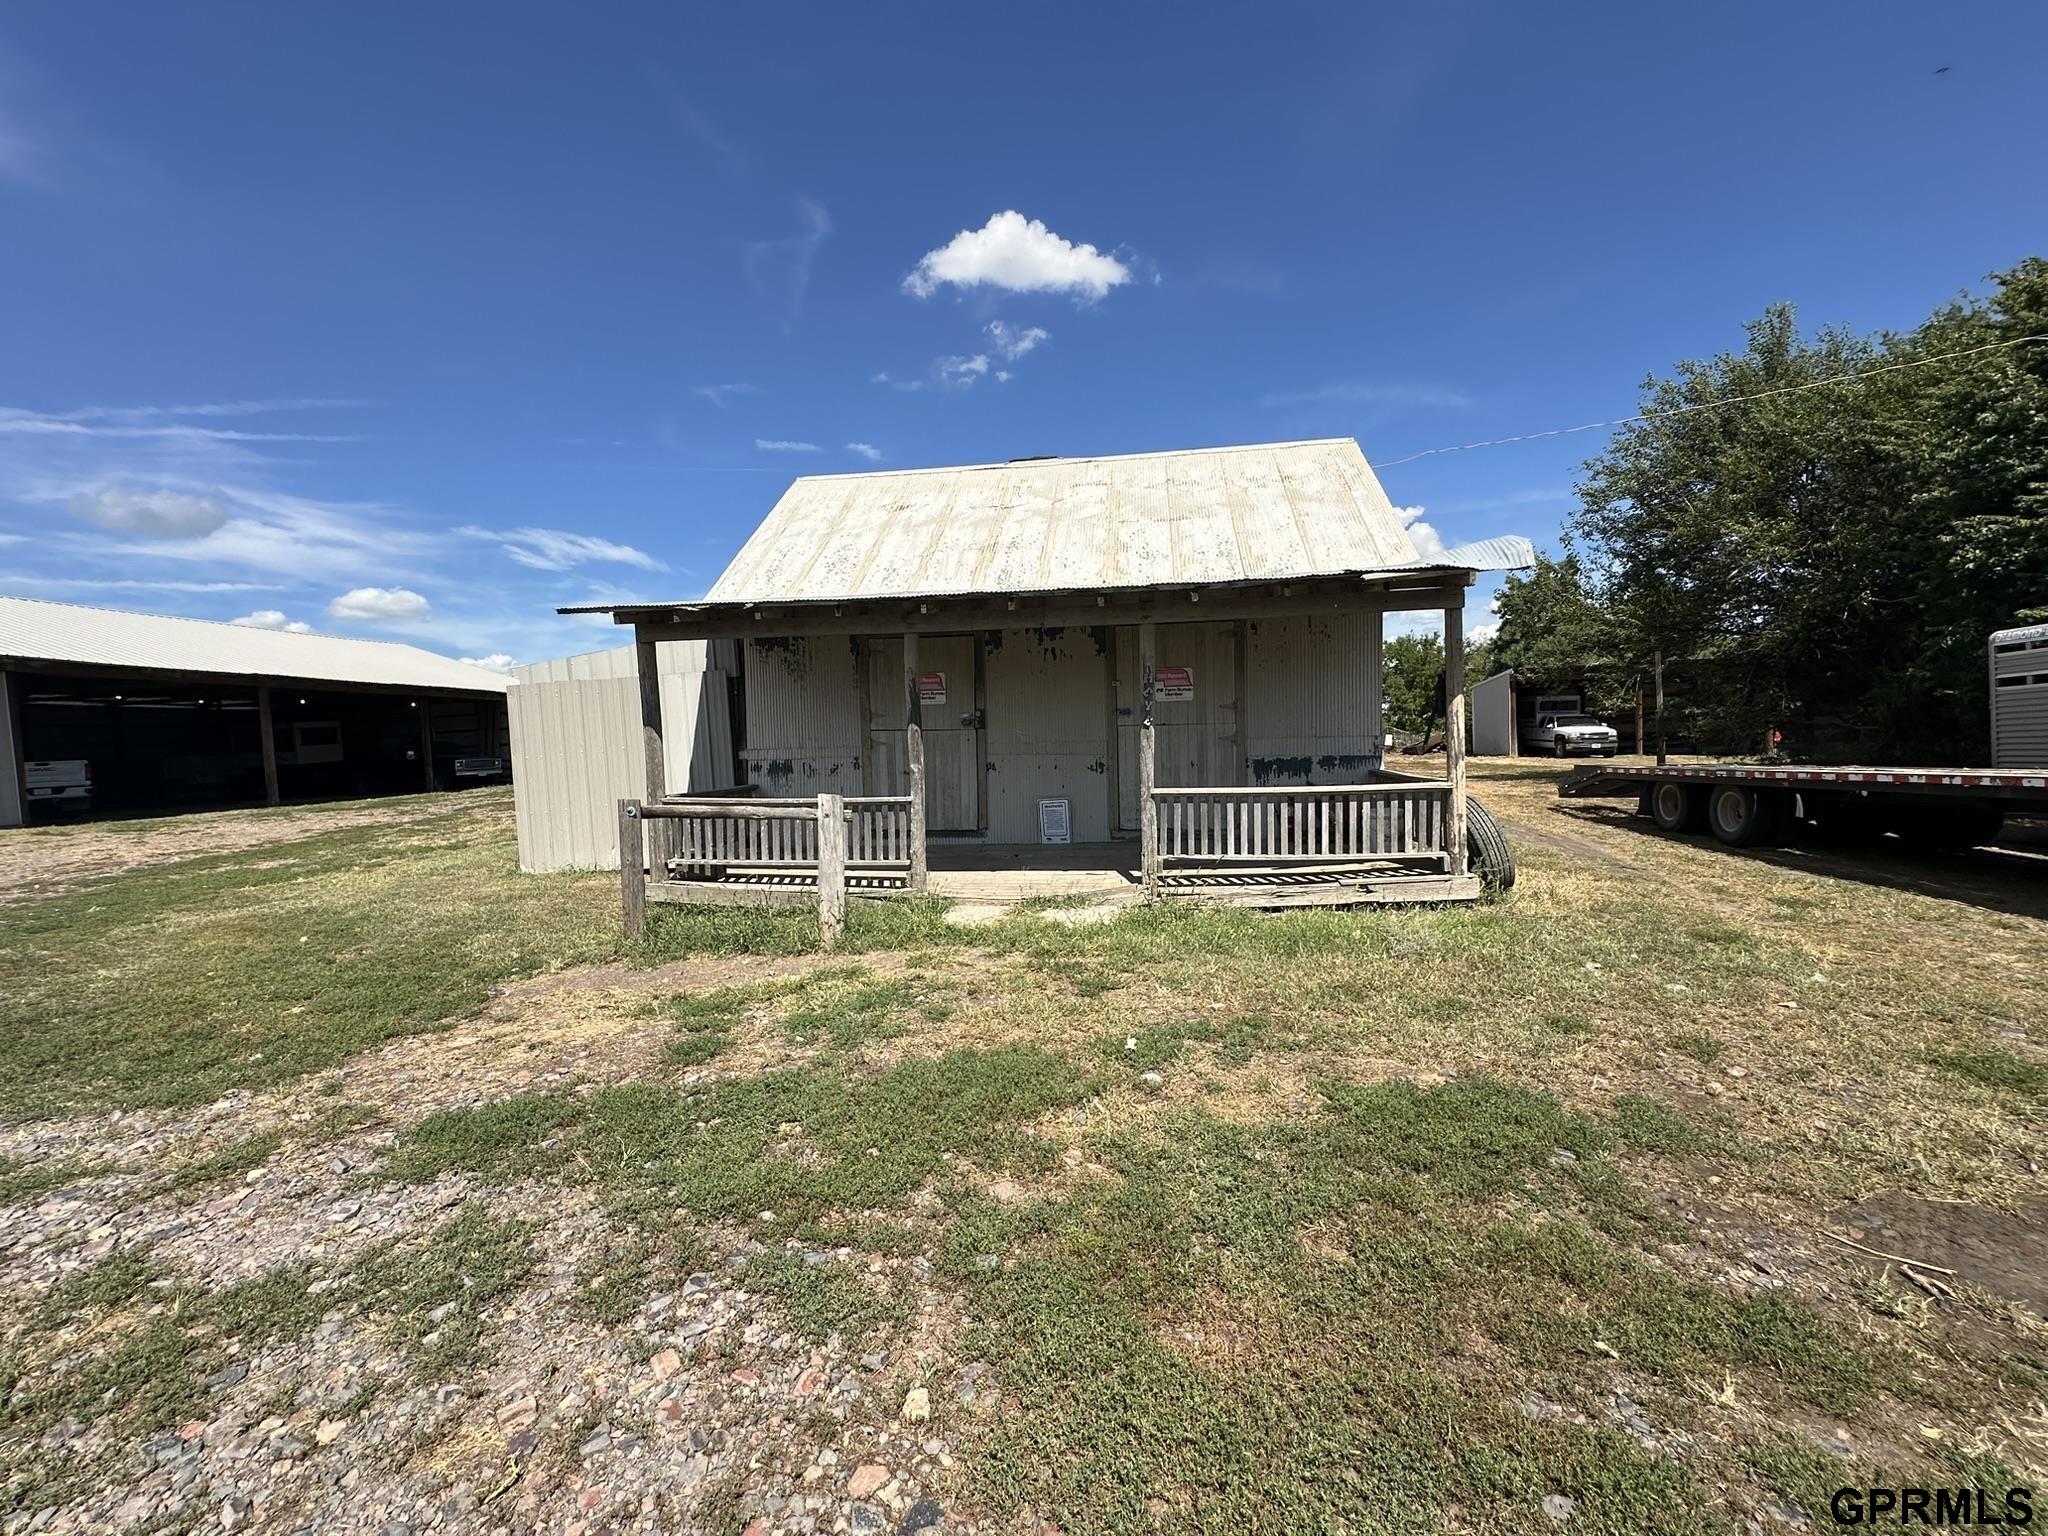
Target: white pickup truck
{"x":1570,"y":735}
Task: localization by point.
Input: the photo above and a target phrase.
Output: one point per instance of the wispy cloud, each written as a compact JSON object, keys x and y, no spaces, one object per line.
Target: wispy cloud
{"x":867,"y":451}
{"x":1013,"y":343}
{"x":783,"y":445}
{"x":1357,"y":393}
{"x":962,"y":371}
{"x":556,"y":549}
{"x":497,"y":661}
{"x":1019,"y":255}
{"x":722,"y":153}
{"x":780,"y":270}
{"x":378,"y":604}
{"x":154,"y":514}
{"x":719,"y":394}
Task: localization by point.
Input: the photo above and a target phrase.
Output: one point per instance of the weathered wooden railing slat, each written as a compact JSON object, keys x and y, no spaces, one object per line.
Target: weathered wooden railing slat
{"x":1314,"y":823}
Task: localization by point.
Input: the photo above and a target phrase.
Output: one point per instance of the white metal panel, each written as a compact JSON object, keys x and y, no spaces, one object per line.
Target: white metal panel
{"x":1048,"y":731}
{"x":1493,"y":716}
{"x":32,"y":631}
{"x":577,"y":751}
{"x":1218,"y":514}
{"x":1314,"y":700}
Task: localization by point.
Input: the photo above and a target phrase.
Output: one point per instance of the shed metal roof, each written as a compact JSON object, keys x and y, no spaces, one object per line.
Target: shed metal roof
{"x":1267,"y":511}
{"x":32,"y":631}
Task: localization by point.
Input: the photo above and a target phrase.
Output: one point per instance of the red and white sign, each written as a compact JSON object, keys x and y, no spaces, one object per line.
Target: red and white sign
{"x":1173,"y":685}
{"x":931,"y":687}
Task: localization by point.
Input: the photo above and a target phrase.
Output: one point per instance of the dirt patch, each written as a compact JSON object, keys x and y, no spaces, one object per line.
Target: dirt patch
{"x":48,"y":861}
{"x":2001,"y":1252}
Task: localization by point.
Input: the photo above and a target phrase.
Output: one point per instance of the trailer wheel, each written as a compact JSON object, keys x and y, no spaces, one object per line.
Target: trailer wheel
{"x":1487,"y":853}
{"x":1678,"y":807}
{"x":1743,"y":817}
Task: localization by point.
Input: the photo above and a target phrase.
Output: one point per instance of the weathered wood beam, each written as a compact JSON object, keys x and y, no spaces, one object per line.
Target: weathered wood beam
{"x":913,"y":758}
{"x":831,"y":871}
{"x":942,"y":616}
{"x":632,"y":872}
{"x":1148,"y":808}
{"x":1454,"y":735}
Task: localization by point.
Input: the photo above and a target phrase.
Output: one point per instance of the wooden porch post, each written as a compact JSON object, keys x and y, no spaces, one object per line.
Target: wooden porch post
{"x":1454,"y":734}
{"x":263,"y":724}
{"x":1148,"y":810}
{"x":654,"y":758}
{"x":913,"y":757}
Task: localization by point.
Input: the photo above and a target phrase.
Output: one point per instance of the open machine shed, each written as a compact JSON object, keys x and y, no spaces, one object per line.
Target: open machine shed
{"x":173,"y":714}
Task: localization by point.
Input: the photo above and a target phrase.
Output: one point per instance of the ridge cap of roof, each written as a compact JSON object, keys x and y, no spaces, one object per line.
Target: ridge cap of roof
{"x":1078,"y":458}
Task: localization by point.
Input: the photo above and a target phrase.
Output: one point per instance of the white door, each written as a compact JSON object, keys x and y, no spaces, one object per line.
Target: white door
{"x":1194,"y":719}
{"x":952,"y":759}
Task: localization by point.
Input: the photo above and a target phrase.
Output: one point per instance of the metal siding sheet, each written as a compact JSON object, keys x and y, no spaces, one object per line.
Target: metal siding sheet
{"x":1314,"y":700}
{"x":576,"y":748}
{"x":1048,"y":732}
{"x":803,"y":722}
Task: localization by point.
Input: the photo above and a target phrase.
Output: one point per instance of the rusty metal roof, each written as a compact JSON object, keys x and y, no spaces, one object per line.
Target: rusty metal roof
{"x":1270,"y":510}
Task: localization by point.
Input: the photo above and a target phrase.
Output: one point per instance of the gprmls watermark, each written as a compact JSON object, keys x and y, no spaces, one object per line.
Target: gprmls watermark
{"x":1932,"y":1506}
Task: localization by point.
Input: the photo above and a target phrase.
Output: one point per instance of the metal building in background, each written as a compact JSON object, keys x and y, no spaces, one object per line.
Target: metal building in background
{"x":576,"y":745}
{"x":135,"y":714}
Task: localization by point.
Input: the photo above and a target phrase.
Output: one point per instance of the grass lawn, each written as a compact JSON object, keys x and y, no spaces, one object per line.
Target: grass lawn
{"x":1584,"y":1207}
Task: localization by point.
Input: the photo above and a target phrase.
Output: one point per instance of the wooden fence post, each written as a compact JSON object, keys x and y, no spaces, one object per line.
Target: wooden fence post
{"x":632,"y":871}
{"x":831,"y":870}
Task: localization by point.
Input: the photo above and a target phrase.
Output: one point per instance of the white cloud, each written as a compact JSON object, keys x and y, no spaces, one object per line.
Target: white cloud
{"x":719,"y":394}
{"x":271,"y":618}
{"x":497,"y":661}
{"x":1013,"y":343}
{"x":906,"y":385}
{"x":379,"y":604}
{"x":867,"y":451}
{"x":961,"y":370}
{"x":554,"y":549}
{"x":156,"y":514}
{"x":1020,"y":255}
{"x":1003,"y":375}
{"x":781,"y":269}
{"x":1427,"y":543}
{"x":783,"y":445}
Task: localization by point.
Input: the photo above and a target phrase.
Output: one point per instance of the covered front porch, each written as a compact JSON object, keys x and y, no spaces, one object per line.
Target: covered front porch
{"x":844,"y":696}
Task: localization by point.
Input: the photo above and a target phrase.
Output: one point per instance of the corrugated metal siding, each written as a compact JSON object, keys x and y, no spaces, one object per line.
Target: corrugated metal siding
{"x":1219,"y":514}
{"x":1194,"y":741}
{"x":803,"y":716}
{"x":1048,"y":730}
{"x":2019,"y":698}
{"x":1315,"y":699}
{"x":107,"y":637}
{"x":576,"y":746}
{"x":1493,"y":716}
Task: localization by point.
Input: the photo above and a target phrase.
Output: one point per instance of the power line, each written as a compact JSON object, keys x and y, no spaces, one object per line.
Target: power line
{"x":1716,"y":405}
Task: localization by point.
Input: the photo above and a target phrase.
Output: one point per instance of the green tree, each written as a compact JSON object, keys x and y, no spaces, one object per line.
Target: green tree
{"x":1411,"y":673}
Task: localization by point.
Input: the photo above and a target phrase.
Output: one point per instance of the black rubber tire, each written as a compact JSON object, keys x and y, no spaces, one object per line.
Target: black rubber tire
{"x":1557,"y":747}
{"x":1743,"y":817}
{"x":1678,"y":807}
{"x":1487,"y":853}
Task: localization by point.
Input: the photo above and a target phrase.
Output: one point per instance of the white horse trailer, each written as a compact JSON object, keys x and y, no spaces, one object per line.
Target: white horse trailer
{"x":2019,"y":697}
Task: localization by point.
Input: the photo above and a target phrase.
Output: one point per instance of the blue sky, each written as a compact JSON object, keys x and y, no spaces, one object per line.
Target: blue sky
{"x":416,"y":321}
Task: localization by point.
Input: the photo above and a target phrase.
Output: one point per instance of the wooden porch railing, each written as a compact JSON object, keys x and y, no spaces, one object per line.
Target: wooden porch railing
{"x":704,"y":839}
{"x":1303,"y":824}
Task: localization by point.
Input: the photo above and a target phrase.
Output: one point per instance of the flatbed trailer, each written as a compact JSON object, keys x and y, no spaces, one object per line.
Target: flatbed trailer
{"x":1750,"y":804}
